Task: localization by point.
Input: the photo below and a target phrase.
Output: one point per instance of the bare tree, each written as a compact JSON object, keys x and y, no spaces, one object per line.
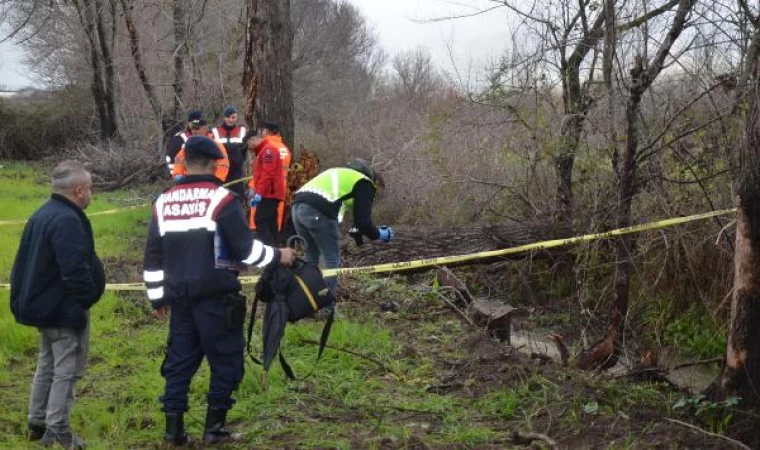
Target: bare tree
{"x":568,"y":32}
{"x":415,"y":74}
{"x":629,"y":185}
{"x":136,"y":50}
{"x":181,"y":54}
{"x":104,"y":84}
{"x":336,"y":65}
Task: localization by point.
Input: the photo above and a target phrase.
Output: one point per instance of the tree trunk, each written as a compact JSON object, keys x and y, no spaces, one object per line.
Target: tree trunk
{"x":179,"y":14}
{"x":268,"y":69}
{"x":740,"y":375}
{"x":571,"y":129}
{"x":86,"y":13}
{"x":112,"y":96}
{"x":627,"y":188}
{"x":136,"y":49}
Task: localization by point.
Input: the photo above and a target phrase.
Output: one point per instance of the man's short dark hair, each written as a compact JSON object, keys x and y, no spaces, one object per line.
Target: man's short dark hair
{"x":271,"y":126}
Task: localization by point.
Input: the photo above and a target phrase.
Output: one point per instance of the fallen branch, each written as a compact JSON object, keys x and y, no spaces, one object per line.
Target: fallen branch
{"x":351,"y":352}
{"x":720,"y":436}
{"x":454,"y":307}
{"x":697,"y":363}
{"x":519,"y":438}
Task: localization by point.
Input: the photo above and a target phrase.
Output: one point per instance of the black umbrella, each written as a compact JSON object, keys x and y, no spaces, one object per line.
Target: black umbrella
{"x":273,"y":328}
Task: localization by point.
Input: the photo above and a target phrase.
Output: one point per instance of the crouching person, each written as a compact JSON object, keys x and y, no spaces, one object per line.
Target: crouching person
{"x":56,"y":278}
{"x":198,"y":241}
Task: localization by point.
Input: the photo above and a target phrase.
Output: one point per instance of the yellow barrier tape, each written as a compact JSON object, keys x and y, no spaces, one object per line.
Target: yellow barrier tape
{"x":95,"y":214}
{"x":443,"y":260}
{"x":543,"y":245}
{"x":117,"y":210}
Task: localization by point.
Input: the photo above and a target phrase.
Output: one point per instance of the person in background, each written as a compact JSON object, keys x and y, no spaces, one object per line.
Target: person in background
{"x":200,"y":128}
{"x":56,"y":278}
{"x":231,"y":135}
{"x":266,"y":189}
{"x":270,"y":132}
{"x":319,"y":206}
{"x":198,"y":241}
{"x":177,"y":141}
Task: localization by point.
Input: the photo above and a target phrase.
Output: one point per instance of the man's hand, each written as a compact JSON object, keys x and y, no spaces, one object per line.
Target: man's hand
{"x":162,"y":312}
{"x":287,"y":256}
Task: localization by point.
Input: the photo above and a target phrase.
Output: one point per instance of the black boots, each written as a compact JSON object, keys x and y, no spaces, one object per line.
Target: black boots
{"x":35,"y":432}
{"x":66,"y":439}
{"x":214,"y":431}
{"x":175,"y":429}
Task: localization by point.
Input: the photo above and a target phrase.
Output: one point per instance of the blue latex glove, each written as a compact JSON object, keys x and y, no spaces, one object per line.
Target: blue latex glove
{"x":386,"y":233}
{"x":256,"y":200}
{"x":178,"y":178}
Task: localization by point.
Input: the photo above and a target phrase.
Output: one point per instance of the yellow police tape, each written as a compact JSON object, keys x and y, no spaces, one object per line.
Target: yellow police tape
{"x":443,"y":260}
{"x":113,"y":211}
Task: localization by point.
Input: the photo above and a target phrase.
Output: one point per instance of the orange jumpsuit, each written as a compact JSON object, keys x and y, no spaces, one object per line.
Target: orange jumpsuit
{"x":286,"y":156}
{"x":222,"y":165}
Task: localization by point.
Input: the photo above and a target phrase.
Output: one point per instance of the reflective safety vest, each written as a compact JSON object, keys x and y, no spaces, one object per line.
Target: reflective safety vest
{"x":336,"y":185}
{"x":221,"y":170}
{"x":235,"y":136}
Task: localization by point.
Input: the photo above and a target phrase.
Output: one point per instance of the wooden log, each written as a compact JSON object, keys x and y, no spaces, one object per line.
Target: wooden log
{"x":410,"y":242}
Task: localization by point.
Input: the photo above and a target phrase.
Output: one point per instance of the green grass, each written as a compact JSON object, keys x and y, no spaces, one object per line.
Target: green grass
{"x":382,"y":400}
{"x":23,"y":190}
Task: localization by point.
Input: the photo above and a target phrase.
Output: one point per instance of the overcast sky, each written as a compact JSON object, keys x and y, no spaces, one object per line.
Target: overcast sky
{"x":401,"y":25}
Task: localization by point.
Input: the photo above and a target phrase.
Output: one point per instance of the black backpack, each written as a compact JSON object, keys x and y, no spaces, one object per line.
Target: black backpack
{"x":290,"y":294}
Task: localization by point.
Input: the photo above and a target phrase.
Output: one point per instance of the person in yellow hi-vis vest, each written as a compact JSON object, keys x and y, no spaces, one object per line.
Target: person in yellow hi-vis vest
{"x":270,"y":131}
{"x":319,"y":206}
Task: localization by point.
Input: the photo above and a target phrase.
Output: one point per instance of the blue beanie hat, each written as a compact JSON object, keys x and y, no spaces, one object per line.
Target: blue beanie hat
{"x":228,"y":111}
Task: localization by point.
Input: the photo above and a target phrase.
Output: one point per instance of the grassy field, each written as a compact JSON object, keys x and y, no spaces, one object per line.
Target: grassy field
{"x":419,"y":378}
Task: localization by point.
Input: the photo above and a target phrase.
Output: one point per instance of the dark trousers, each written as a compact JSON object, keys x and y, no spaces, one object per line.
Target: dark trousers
{"x":196,"y":331}
{"x":266,"y":220}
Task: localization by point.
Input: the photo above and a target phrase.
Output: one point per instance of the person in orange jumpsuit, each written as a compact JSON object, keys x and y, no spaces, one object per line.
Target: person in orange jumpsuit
{"x":270,"y":132}
{"x":266,"y":190}
{"x":199,"y":127}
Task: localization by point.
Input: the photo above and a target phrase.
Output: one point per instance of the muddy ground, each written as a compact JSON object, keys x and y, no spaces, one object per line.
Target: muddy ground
{"x":577,"y":410}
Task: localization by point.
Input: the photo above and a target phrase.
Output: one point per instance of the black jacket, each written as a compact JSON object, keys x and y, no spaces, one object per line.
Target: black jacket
{"x":198,"y":241}
{"x":57,"y":275}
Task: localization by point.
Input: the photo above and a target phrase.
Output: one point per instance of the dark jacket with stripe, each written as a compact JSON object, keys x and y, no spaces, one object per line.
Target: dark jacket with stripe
{"x":198,"y":242}
{"x":57,"y":275}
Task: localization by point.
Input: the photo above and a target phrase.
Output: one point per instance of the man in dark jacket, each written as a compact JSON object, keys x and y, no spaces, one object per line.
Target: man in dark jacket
{"x":198,"y":241}
{"x":55,"y":280}
{"x":177,"y":141}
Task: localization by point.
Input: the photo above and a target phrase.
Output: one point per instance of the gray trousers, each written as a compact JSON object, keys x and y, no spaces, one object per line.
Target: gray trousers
{"x":322,"y":236}
{"x":61,"y":363}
